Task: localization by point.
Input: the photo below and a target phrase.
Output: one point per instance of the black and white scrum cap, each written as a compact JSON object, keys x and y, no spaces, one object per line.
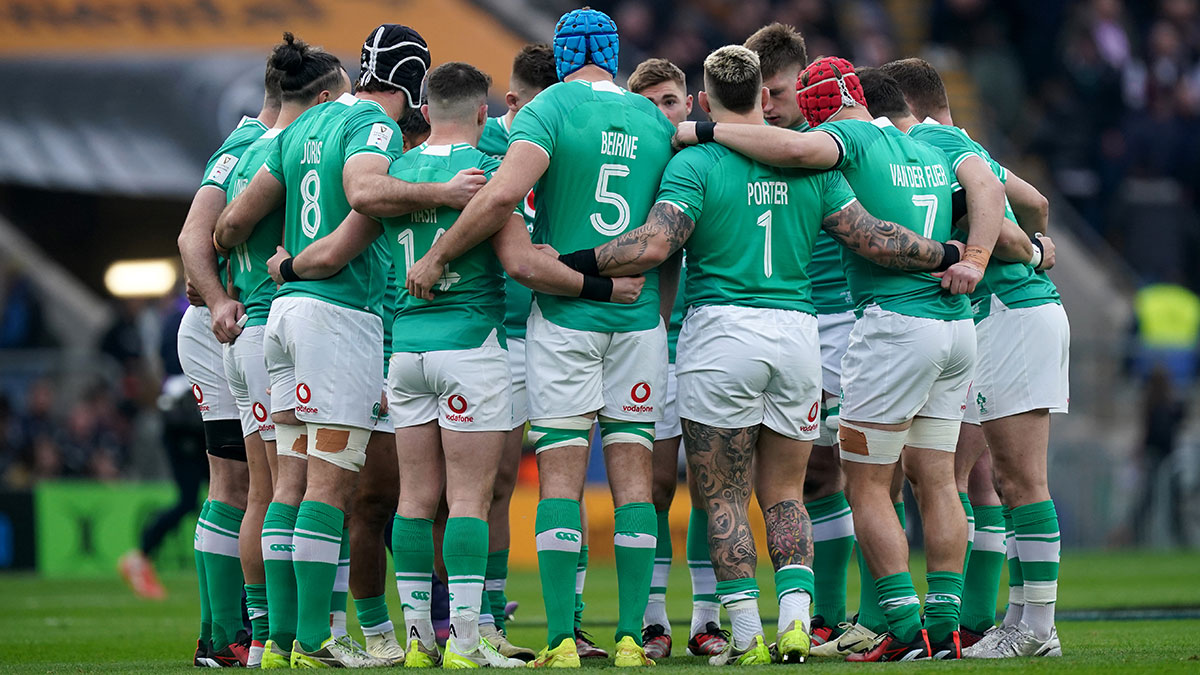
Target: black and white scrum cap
{"x":397,"y":56}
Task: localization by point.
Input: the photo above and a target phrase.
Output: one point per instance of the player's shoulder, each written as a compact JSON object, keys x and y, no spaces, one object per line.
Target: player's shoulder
{"x":248,"y":130}
{"x":701,"y":158}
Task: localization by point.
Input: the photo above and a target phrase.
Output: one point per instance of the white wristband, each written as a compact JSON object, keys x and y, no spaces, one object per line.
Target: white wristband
{"x":1037,"y":256}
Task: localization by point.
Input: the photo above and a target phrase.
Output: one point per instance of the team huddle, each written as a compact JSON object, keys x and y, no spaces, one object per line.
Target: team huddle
{"x":811,"y":292}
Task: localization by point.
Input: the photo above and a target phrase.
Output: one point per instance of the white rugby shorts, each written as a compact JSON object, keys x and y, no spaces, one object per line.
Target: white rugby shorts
{"x":203,"y":361}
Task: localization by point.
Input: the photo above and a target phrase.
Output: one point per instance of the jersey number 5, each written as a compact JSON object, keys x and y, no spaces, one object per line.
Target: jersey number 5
{"x":606,"y":196}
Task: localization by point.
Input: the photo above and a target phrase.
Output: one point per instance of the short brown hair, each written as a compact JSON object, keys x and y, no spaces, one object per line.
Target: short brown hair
{"x":534,"y":66}
{"x":883,"y":94}
{"x":778,"y":46}
{"x":456,"y":87}
{"x":921,"y":84}
{"x":655,"y":71}
{"x":733,"y":78}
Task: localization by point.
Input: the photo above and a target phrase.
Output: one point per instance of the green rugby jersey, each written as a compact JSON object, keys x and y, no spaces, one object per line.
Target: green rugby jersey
{"x":607,"y":150}
{"x":220,"y":166}
{"x":468,"y":300}
{"x":755,"y":226}
{"x":248,"y":261}
{"x":905,"y":181}
{"x":678,"y":310}
{"x":517,"y":297}
{"x":308,"y":158}
{"x":1013,"y":284}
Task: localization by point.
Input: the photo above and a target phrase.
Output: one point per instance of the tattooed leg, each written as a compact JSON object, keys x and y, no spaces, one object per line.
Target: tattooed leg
{"x":721,"y":460}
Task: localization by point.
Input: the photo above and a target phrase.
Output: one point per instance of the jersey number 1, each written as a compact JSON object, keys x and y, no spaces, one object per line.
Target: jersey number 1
{"x":764,"y":221}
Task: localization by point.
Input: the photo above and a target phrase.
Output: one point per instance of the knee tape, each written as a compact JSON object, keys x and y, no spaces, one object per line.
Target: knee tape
{"x":869,"y":446}
{"x":560,"y":432}
{"x":933,"y":434}
{"x":827,"y":431}
{"x":342,"y":446}
{"x":224,"y":439}
{"x":291,"y":440}
{"x":616,"y":431}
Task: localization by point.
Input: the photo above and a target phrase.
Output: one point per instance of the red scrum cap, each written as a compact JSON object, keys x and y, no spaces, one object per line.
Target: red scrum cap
{"x":826,"y":86}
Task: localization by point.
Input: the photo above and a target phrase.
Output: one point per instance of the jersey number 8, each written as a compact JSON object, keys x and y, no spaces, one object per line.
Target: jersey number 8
{"x":310,"y":212}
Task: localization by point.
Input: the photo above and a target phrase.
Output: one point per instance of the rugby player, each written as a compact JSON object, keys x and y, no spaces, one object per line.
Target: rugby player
{"x":584,"y":359}
{"x":782,"y":55}
{"x":1021,"y":378}
{"x":893,"y":393}
{"x":532,"y":71}
{"x":666,"y":86}
{"x":749,"y":379}
{"x":331,"y":159}
{"x":307,"y":76}
{"x":202,"y":331}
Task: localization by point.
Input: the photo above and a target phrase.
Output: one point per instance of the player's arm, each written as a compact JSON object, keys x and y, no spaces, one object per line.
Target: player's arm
{"x":483,"y":217}
{"x":372,"y":192}
{"x":766,"y":144}
{"x":264,"y":194}
{"x":985,"y":213}
{"x":888,"y":244}
{"x":668,"y":286}
{"x":200,"y":262}
{"x":666,"y":229}
{"x":542,"y":273}
{"x":326,"y":256}
{"x":1029,"y":205}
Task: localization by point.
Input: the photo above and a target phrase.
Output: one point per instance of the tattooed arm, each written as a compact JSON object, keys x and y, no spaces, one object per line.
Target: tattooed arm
{"x":665,"y":231}
{"x":882,"y":242}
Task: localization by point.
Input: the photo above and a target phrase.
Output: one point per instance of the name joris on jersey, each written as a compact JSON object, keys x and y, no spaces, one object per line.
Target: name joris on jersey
{"x":767,"y":192}
{"x":312,"y":152}
{"x":928,"y":175}
{"x":618,"y":144}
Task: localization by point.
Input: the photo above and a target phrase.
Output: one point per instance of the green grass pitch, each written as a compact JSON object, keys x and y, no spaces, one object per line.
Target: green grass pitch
{"x":99,"y":626}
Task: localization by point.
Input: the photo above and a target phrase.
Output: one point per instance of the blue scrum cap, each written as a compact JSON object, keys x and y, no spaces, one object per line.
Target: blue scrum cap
{"x":585,"y":36}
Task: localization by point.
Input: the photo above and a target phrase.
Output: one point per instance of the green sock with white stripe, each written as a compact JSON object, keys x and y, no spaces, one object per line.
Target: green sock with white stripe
{"x":201,"y":577}
{"x":373,"y":615}
{"x":559,"y":530}
{"x":412,"y":554}
{"x":634,"y":543}
{"x":943,"y":604}
{"x":256,"y":609}
{"x":656,"y":606}
{"x":898,"y":600}
{"x":970,"y":511}
{"x":794,"y":589}
{"x":833,"y":542}
{"x":464,"y":548}
{"x":223,"y":571}
{"x":277,"y":546}
{"x":317,"y":541}
{"x":870,"y":613}
{"x":981,"y":583}
{"x":739,"y":597}
{"x":1016,"y":583}
{"x":581,"y":567}
{"x":706,"y":606}
{"x":1038,"y":546}
{"x":338,"y":600}
{"x":494,"y":581}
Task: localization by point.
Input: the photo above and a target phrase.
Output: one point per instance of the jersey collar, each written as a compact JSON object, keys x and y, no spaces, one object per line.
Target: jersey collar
{"x":883,"y":122}
{"x":930,"y":120}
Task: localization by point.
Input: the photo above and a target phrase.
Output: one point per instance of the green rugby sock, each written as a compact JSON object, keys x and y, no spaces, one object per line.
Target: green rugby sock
{"x":464,"y":548}
{"x":739,"y":597}
{"x":833,"y":542}
{"x":256,"y":608}
{"x":1038,"y":548}
{"x":981,"y":583}
{"x":201,"y":577}
{"x":317,"y":541}
{"x":706,"y":607}
{"x":970,"y":511}
{"x":656,"y":606}
{"x":1016,"y":583}
{"x":870,"y":614}
{"x":339,"y":598}
{"x":900,"y":605}
{"x":494,"y":582}
{"x":277,"y":545}
{"x":559,"y":531}
{"x":943,"y":604}
{"x":581,"y":566}
{"x":223,"y":571}
{"x":634,"y":543}
{"x":412,"y":554}
{"x":373,"y":615}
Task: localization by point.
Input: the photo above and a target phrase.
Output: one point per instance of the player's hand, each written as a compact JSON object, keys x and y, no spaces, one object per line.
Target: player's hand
{"x":459,"y":190}
{"x":547,"y":249}
{"x":383,"y":406}
{"x":627,"y":289}
{"x":275,"y":261}
{"x":1047,"y":252}
{"x":961,"y":278}
{"x":193,"y":296}
{"x":684,"y":136}
{"x":225,"y":316}
{"x":422,"y":276}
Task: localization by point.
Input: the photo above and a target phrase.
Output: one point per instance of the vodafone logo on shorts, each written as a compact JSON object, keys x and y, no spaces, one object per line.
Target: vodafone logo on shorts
{"x":303,"y":396}
{"x":198,"y":394}
{"x":260,"y":412}
{"x":640,"y":393}
{"x":813,"y":413}
{"x":458,"y":405}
